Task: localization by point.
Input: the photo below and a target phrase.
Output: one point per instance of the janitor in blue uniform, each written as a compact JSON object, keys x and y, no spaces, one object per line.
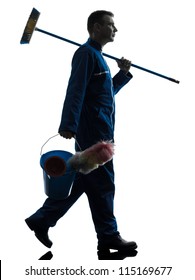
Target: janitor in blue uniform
{"x":89,"y":115}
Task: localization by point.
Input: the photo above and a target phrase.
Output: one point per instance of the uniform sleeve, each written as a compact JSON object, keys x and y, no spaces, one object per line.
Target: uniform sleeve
{"x":120,"y":80}
{"x":82,"y":68}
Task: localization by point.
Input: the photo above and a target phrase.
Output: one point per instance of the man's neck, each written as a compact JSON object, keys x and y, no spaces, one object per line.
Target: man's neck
{"x":101,"y":42}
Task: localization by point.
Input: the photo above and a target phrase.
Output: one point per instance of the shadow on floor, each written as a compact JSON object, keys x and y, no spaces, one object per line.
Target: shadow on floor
{"x":102,"y":255}
{"x":47,"y":256}
{"x":118,"y":255}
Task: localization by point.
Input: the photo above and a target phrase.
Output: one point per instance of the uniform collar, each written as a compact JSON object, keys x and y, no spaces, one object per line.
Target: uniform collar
{"x":94,"y":44}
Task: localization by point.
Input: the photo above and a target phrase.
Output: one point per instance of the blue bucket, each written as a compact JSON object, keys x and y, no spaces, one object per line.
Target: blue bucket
{"x":58,"y":175}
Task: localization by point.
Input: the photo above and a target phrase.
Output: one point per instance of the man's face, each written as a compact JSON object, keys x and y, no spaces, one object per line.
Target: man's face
{"x":107,"y":29}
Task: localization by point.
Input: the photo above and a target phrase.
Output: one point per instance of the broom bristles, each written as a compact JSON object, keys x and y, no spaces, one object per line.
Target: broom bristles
{"x":30,"y":26}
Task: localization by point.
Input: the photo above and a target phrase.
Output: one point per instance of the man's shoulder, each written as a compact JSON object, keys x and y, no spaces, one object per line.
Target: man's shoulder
{"x":86,"y":48}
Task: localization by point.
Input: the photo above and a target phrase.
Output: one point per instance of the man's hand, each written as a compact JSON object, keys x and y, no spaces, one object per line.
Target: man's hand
{"x":67,"y":134}
{"x":124,"y":64}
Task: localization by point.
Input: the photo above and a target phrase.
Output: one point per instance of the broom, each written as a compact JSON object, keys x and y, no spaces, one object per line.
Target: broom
{"x":31,"y":26}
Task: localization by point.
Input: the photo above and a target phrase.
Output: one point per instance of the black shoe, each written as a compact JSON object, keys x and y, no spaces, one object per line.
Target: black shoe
{"x":41,"y":234}
{"x":116,"y":243}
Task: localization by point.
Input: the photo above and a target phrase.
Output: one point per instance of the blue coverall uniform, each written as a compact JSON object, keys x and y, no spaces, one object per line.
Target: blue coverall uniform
{"x":89,"y":112}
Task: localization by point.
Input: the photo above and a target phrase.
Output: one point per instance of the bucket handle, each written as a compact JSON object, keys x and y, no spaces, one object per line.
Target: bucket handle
{"x":55,"y":136}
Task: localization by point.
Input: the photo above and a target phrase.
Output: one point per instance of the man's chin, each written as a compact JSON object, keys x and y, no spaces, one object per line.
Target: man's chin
{"x":110,"y":40}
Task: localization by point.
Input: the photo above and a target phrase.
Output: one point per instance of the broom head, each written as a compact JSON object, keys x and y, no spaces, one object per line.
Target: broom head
{"x":30,"y":26}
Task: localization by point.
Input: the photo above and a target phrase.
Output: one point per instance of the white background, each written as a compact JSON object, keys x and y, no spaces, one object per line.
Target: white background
{"x":154,"y":161}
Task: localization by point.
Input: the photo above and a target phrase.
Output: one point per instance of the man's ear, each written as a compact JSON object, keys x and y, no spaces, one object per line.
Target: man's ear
{"x":97,"y":27}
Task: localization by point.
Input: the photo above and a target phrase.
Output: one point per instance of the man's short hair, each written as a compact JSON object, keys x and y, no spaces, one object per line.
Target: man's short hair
{"x":97,"y":17}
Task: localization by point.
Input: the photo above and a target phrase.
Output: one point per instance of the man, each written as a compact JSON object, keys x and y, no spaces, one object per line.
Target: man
{"x":89,"y":115}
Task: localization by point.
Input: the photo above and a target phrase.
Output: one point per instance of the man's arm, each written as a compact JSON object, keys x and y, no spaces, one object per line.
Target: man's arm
{"x":82,"y":66}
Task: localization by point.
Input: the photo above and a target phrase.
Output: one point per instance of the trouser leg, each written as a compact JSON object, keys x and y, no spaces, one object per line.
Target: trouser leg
{"x":100,"y":189}
{"x":52,"y":210}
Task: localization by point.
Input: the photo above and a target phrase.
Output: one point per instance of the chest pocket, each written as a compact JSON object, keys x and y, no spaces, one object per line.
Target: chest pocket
{"x":101,"y":73}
